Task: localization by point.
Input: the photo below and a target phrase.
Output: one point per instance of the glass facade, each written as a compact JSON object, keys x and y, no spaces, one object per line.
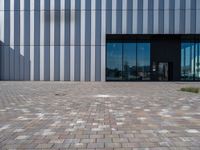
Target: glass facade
{"x":190,"y":61}
{"x":128,"y":61}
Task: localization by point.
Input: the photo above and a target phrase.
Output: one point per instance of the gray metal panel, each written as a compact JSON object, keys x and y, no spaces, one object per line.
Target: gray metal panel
{"x":119,"y":22}
{"x":140,"y":22}
{"x":6,"y":62}
{"x":98,"y":28}
{"x":88,"y":5}
{"x":119,"y":5}
{"x":37,"y":63}
{"x":140,"y":5}
{"x":6,"y":25}
{"x":12,"y":63}
{"x":47,"y":29}
{"x":77,"y":27}
{"x":26,"y":62}
{"x":46,"y":4}
{"x":109,"y":4}
{"x":150,"y":21}
{"x":27,"y":28}
{"x":98,"y":5}
{"x":97,"y":63}
{"x":67,"y":27}
{"x":16,"y":41}
{"x":150,"y":5}
{"x":129,"y":21}
{"x":17,"y":5}
{"x":67,"y":63}
{"x":193,"y":4}
{"x":161,"y":21}
{"x":171,"y":20}
{"x":57,"y":63}
{"x":193,"y":22}
{"x":129,"y":5}
{"x":77,"y":64}
{"x":47,"y":63}
{"x":37,"y":5}
{"x":27,"y":5}
{"x":87,"y":62}
{"x":108,"y":21}
{"x":172,"y":4}
{"x":37,"y":28}
{"x":88,"y":28}
{"x":182,"y":5}
{"x":161,"y":4}
{"x":57,"y":5}
{"x":57,"y":28}
{"x":77,"y":5}
{"x":197,"y":21}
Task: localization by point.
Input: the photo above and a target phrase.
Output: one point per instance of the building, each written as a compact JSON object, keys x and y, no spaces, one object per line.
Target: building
{"x":100,"y":40}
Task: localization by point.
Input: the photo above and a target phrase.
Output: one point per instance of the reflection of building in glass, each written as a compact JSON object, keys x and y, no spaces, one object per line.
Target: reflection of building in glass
{"x":196,"y":66}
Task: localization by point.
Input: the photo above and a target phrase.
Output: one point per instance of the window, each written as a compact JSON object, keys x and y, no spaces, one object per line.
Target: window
{"x":190,"y":60}
{"x":128,"y":61}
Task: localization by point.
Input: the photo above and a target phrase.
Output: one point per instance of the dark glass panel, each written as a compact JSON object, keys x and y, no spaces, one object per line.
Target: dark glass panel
{"x":114,"y":61}
{"x":129,"y":61}
{"x":197,"y":61}
{"x":143,"y":61}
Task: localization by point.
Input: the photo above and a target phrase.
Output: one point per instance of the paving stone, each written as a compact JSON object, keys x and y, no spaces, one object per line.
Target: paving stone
{"x":109,"y":116}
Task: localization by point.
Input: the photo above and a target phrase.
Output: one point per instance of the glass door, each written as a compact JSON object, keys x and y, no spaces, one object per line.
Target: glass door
{"x":163,"y":71}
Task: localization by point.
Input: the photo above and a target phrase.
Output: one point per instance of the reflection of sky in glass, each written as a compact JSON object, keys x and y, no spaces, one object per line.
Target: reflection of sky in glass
{"x":190,"y":53}
{"x":129,"y":54}
{"x":114,"y":55}
{"x":143,"y":54}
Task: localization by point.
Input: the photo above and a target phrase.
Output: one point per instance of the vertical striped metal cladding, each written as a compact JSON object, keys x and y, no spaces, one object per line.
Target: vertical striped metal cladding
{"x":64,"y":40}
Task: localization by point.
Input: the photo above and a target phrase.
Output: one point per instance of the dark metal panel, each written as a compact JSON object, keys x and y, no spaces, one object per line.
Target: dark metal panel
{"x":37,"y":63}
{"x":57,"y":63}
{"x":57,"y":28}
{"x":140,"y":22}
{"x":57,"y":5}
{"x":129,"y":21}
{"x":37,"y":28}
{"x":37,"y":5}
{"x":193,"y":22}
{"x":26,"y":62}
{"x":87,"y":62}
{"x":67,"y":63}
{"x":161,"y":21}
{"x":88,"y":28}
{"x":97,"y":63}
{"x":98,"y":28}
{"x":77,"y":64}
{"x":98,"y":5}
{"x":16,"y":40}
{"x":150,"y":21}
{"x":88,"y":5}
{"x":119,"y":5}
{"x":119,"y":22}
{"x":77,"y":27}
{"x":47,"y":63}
{"x":182,"y":21}
{"x":67,"y":27}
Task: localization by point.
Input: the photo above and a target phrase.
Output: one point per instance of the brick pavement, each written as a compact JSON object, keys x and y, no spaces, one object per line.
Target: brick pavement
{"x":101,"y":116}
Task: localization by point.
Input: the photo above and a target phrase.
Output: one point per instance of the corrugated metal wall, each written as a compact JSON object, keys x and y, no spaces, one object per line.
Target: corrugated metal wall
{"x":65,"y":39}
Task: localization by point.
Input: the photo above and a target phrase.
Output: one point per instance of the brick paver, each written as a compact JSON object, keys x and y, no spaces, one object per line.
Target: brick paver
{"x":116,"y":116}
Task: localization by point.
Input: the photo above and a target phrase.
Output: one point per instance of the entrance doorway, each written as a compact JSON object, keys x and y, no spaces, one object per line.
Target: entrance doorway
{"x":163,"y":71}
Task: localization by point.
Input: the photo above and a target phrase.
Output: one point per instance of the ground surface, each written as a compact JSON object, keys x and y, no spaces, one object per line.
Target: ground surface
{"x":111,"y":116}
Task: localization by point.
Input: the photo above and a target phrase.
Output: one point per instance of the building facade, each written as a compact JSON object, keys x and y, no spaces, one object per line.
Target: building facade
{"x":100,"y":40}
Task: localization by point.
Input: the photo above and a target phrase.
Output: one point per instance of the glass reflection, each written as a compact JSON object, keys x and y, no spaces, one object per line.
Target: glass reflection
{"x":129,"y":61}
{"x":114,"y":61}
{"x":190,"y":61}
{"x":143,"y":61}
